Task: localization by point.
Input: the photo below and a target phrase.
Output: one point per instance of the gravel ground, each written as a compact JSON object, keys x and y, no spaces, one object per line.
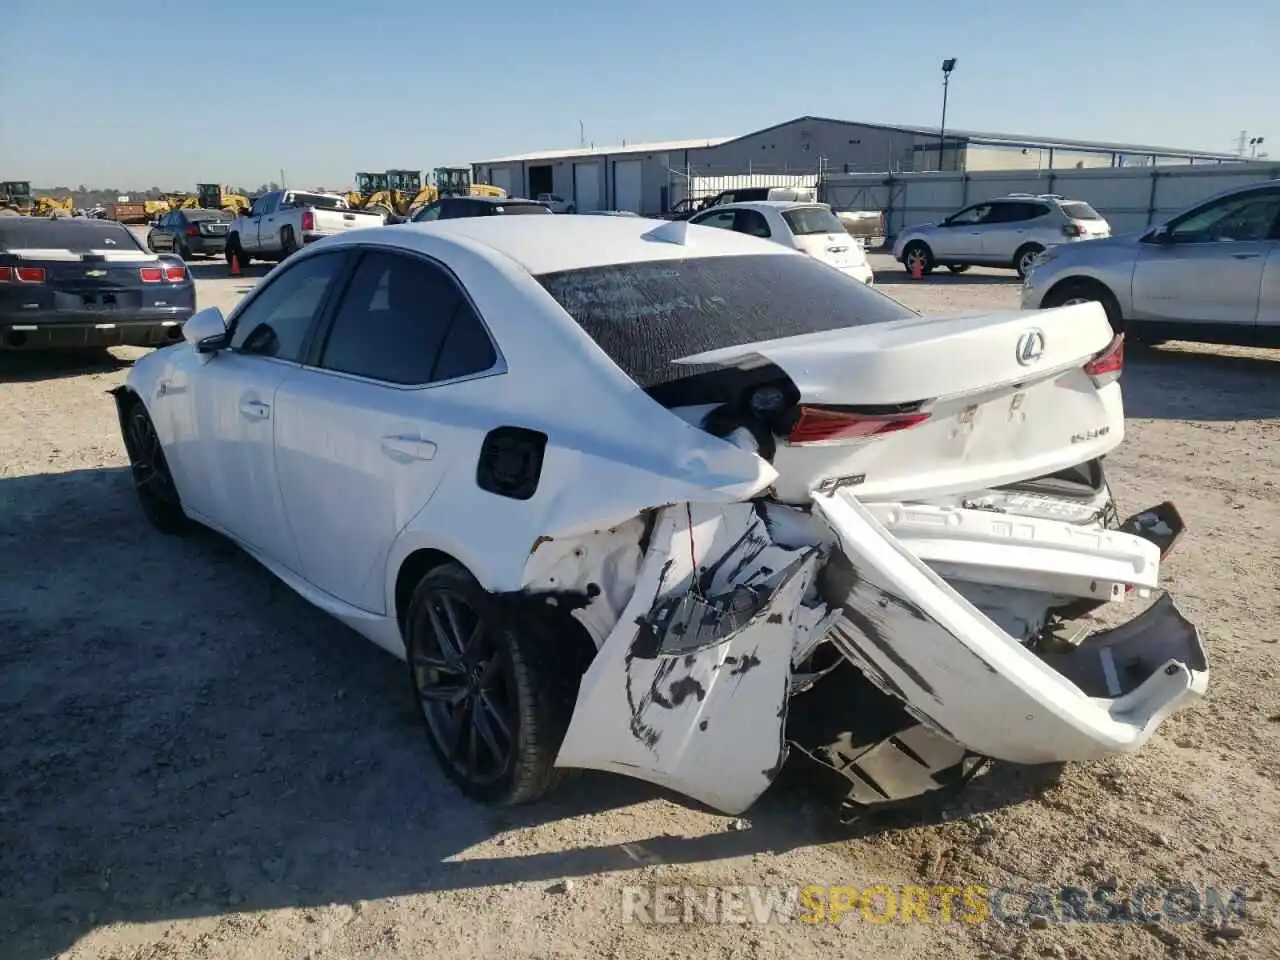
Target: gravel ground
{"x":194,"y":763}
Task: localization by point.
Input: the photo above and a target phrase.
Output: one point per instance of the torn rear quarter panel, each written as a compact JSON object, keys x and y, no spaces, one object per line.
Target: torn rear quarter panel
{"x":690,"y":688}
{"x":919,"y":639}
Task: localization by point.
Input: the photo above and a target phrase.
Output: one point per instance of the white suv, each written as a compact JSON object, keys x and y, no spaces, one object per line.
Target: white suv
{"x":1003,"y":232}
{"x":556,"y":204}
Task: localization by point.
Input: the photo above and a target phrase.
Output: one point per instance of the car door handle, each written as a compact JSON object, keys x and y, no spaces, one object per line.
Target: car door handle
{"x":255,"y":409}
{"x":1245,"y":256}
{"x":404,"y":449}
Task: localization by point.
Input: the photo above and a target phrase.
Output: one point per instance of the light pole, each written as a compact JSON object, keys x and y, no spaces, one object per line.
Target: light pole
{"x":1254,"y":143}
{"x":947,"y":67}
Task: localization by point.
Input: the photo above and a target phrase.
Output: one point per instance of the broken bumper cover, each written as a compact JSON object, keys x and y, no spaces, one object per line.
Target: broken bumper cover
{"x":696,"y":670}
{"x":918,"y":639}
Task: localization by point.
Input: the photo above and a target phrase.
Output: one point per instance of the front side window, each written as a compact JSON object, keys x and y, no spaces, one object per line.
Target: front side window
{"x":277,"y":321}
{"x":752,"y":223}
{"x":430,"y":212}
{"x":1233,"y":219}
{"x":723,"y":220}
{"x":971,"y":217}
{"x":404,"y":320}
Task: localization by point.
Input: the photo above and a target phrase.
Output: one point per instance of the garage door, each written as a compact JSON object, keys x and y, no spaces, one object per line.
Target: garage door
{"x":501,"y":177}
{"x":586,"y":186}
{"x":627,"y":185}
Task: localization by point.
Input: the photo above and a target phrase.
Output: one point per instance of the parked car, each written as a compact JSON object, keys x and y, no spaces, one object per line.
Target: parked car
{"x":613,"y":213}
{"x":1005,"y":232}
{"x":81,"y":282}
{"x":191,"y":233}
{"x":284,"y":221}
{"x":810,"y":228}
{"x":687,"y":207}
{"x":556,"y":204}
{"x":1211,"y":273}
{"x":618,"y":491}
{"x":454,"y":208}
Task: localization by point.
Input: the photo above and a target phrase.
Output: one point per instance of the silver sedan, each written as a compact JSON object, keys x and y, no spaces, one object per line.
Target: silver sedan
{"x":1210,"y":274}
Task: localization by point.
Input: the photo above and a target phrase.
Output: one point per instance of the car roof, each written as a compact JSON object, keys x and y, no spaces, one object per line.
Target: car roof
{"x":766,"y":204}
{"x":551,"y":244}
{"x":506,"y":201}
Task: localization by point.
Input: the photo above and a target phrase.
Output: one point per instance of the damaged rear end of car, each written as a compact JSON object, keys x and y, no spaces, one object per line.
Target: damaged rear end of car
{"x":902,"y":595}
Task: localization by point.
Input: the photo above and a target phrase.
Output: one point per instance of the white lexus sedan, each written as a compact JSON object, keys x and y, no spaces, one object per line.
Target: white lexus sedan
{"x":666,"y":500}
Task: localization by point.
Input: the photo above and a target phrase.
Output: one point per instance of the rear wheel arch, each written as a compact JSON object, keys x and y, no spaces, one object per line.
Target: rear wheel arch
{"x":412,"y":569}
{"x":1030,"y":247}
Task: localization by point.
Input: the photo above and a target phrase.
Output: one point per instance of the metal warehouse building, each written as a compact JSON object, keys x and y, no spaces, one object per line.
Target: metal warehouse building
{"x":653,"y":177}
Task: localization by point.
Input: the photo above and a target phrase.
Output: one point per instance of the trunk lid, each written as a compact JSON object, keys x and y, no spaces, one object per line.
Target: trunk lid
{"x":967,"y":400}
{"x":839,"y":250}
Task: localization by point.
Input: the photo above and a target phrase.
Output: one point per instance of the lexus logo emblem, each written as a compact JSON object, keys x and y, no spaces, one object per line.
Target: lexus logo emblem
{"x":1031,"y":346}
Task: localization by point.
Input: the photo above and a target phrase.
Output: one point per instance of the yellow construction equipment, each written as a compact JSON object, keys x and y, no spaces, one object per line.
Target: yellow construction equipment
{"x":456,"y":182}
{"x":214,"y":196}
{"x":52,"y":207}
{"x":181,"y":200}
{"x":394,"y":193}
{"x":15,"y":197}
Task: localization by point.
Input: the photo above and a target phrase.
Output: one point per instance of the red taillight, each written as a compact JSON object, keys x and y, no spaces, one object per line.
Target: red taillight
{"x":308,"y":220}
{"x":29,"y":274}
{"x":825,"y":424}
{"x":174,"y":273}
{"x":1073,"y":230}
{"x":193,"y":231}
{"x":152,"y":274}
{"x":1107,"y":366}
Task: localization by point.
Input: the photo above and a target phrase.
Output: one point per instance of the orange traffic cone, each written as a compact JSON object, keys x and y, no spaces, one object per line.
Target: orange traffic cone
{"x":235,"y":264}
{"x":917,"y":270}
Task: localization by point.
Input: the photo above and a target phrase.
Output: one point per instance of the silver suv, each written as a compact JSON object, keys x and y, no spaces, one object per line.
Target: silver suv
{"x":1003,"y":232}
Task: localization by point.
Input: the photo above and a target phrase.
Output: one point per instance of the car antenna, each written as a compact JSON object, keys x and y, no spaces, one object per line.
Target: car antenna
{"x":673,"y":231}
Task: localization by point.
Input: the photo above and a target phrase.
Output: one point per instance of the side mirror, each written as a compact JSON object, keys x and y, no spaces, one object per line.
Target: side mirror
{"x":206,"y":330}
{"x":1160,"y":234}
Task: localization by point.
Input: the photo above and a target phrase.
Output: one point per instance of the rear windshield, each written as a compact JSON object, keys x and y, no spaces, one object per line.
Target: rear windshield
{"x":206,"y":215}
{"x":807,"y":220}
{"x":645,"y":315}
{"x":510,"y":208}
{"x":66,"y":233}
{"x":1080,"y":211}
{"x":317,"y":200}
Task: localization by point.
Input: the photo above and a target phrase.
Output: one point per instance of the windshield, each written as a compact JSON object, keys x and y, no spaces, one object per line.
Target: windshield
{"x":1080,"y":211}
{"x":317,"y":200}
{"x":645,"y":315}
{"x":808,"y":220}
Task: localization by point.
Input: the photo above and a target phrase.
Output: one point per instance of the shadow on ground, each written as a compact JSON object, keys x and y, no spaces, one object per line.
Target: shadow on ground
{"x":898,"y":274}
{"x":183,"y":736}
{"x":1189,"y":381}
{"x":30,"y":365}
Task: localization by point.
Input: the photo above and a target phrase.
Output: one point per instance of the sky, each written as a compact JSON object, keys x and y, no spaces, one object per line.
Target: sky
{"x":138,"y":93}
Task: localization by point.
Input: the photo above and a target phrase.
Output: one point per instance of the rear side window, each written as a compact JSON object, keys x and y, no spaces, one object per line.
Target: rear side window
{"x":645,"y":315}
{"x":404,"y":320}
{"x":511,"y":209}
{"x":804,"y":221}
{"x":1080,"y":211}
{"x":78,"y":234}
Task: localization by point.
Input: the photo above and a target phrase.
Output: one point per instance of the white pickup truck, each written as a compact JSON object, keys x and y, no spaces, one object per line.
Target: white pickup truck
{"x":283,"y":221}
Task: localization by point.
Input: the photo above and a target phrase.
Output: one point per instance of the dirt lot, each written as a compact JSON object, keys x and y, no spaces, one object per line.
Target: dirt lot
{"x":194,"y":763}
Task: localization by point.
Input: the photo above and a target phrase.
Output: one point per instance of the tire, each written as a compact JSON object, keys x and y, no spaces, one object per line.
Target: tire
{"x":1086,"y":291}
{"x":958,"y":267}
{"x":151,"y":477}
{"x":918,"y":249}
{"x":517,"y":670}
{"x":288,"y":243}
{"x":1025,"y":256}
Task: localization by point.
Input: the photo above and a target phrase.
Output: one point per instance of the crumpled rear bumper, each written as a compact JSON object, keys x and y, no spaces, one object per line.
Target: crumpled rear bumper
{"x":957,"y":671}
